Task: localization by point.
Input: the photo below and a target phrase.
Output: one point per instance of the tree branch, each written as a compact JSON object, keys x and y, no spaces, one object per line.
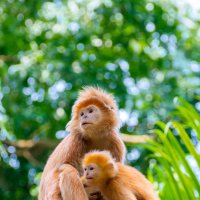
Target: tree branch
{"x":8,"y":58}
{"x":32,"y":150}
{"x":135,"y":139}
{"x":28,"y":144}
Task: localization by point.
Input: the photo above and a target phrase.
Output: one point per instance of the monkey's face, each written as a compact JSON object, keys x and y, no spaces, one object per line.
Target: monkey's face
{"x":89,"y":117}
{"x":91,"y":174}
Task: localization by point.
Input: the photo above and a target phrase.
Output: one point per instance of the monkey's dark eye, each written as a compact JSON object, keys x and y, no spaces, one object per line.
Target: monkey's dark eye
{"x":91,"y":110}
{"x":91,"y":168}
{"x":82,"y":114}
{"x":85,"y":169}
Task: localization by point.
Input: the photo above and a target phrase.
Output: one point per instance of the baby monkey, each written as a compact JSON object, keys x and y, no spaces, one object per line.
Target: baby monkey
{"x":114,"y":180}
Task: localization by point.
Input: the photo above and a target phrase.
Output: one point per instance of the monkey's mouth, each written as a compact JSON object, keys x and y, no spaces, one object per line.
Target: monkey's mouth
{"x":85,"y":123}
{"x":89,"y":178}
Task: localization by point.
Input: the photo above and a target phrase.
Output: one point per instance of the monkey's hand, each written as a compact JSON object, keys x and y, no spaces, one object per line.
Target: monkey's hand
{"x":84,"y":182}
{"x":96,"y":196}
{"x":93,"y":192}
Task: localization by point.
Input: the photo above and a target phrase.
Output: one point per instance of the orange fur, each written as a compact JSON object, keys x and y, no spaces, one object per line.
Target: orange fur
{"x":99,"y":94}
{"x":104,"y":101}
{"x":124,"y":183}
{"x":102,"y":158}
{"x":104,"y":136}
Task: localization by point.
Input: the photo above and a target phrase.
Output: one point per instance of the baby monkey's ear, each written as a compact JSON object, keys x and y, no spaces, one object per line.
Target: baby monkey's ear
{"x":111,"y":169}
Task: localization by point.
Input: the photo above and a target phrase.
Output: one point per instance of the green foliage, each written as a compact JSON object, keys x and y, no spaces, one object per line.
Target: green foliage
{"x":177,"y":167}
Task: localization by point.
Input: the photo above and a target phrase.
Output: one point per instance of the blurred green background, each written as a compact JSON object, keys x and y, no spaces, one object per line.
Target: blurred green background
{"x":145,"y":52}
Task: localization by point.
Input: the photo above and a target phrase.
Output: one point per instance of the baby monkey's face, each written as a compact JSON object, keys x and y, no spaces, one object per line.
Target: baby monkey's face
{"x":91,"y":174}
{"x":90,"y":181}
{"x":90,"y":171}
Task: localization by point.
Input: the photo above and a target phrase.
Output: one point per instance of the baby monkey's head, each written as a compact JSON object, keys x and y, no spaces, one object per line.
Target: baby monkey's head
{"x":99,"y":166}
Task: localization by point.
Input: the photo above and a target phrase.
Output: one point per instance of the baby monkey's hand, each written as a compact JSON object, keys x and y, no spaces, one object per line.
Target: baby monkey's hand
{"x":84,"y":182}
{"x":92,"y":192}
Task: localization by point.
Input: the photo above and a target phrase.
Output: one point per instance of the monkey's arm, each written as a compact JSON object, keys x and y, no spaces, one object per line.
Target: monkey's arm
{"x":49,"y":186}
{"x":70,"y":184}
{"x":65,"y":152}
{"x":117,"y":148}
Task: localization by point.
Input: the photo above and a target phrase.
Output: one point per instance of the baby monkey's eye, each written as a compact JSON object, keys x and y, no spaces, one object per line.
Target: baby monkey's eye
{"x":85,"y":169}
{"x":91,"y":168}
{"x":91,"y":110}
{"x":82,"y":114}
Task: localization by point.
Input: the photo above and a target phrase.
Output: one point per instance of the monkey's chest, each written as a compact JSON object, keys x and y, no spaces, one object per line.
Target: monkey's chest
{"x":98,"y":145}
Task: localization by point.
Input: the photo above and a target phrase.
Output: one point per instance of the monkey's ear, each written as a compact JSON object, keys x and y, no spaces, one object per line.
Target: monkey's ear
{"x":110,"y":108}
{"x":112,"y":169}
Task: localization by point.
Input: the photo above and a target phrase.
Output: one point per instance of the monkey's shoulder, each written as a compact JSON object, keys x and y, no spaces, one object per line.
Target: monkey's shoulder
{"x":129,"y":172}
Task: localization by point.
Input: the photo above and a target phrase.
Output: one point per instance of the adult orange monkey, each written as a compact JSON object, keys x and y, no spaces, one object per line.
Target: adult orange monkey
{"x":94,"y":125}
